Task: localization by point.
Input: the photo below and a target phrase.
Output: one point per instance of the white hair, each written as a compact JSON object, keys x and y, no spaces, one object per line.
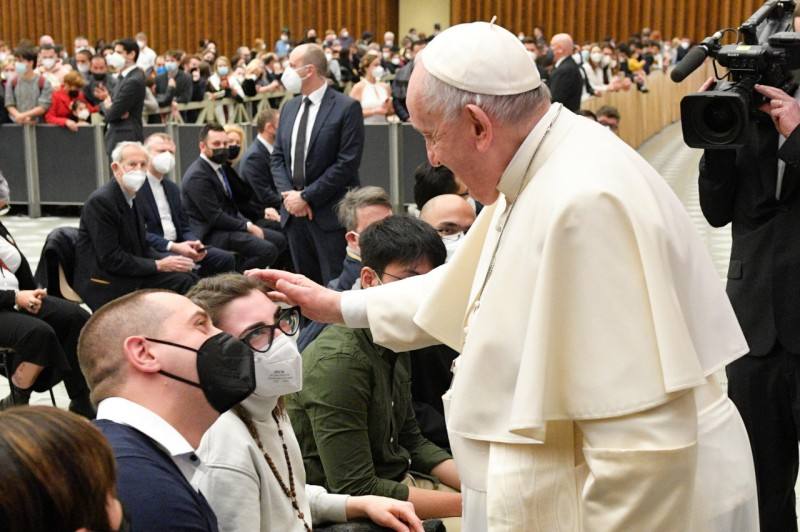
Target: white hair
{"x":116,"y":154}
{"x":448,"y":100}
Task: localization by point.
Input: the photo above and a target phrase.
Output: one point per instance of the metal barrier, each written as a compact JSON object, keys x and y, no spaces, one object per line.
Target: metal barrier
{"x":50,"y":165}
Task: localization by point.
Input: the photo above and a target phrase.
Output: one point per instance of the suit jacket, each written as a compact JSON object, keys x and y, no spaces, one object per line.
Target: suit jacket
{"x":59,"y":250}
{"x":151,"y":487}
{"x":566,"y":84}
{"x":332,"y":158}
{"x":739,"y":187}
{"x":182,"y":93}
{"x":206,"y":202}
{"x":146,"y":203}
{"x":113,"y":254}
{"x":23,"y":274}
{"x":255,"y":169}
{"x":128,"y":97}
{"x":88,"y":90}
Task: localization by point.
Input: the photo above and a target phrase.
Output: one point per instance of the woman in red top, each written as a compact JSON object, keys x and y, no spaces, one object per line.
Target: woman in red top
{"x":60,"y":112}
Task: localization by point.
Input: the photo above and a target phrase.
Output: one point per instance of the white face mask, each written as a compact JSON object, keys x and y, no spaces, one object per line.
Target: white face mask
{"x":141,"y":44}
{"x":452,"y":243}
{"x":279,"y":371}
{"x":291,"y":80}
{"x":377,"y":72}
{"x":48,"y":63}
{"x":164,"y":162}
{"x":605,"y":60}
{"x":3,"y":56}
{"x":328,"y":56}
{"x":83,"y":68}
{"x":83,"y":114}
{"x":115,"y":61}
{"x":134,"y":179}
{"x":597,"y":57}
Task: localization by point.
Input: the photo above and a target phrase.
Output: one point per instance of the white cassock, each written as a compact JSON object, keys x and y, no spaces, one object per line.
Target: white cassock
{"x":590,"y":320}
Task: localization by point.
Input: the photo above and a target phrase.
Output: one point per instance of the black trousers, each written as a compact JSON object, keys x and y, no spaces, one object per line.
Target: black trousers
{"x":766,"y":390}
{"x":317,"y":254}
{"x":253,"y":251}
{"x":49,"y":339}
{"x":217,"y":261}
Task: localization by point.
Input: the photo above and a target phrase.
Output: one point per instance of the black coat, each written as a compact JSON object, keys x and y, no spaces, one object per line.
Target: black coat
{"x":255,"y":169}
{"x":566,"y":84}
{"x":146,"y":204}
{"x":207,"y":203}
{"x":59,"y":250}
{"x":113,"y":254}
{"x":738,"y":187}
{"x":181,"y":93}
{"x":332,"y":158}
{"x":124,"y":117}
{"x":23,"y":274}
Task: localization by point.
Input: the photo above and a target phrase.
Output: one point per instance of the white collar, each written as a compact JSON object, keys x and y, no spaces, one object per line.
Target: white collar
{"x":214,"y":165}
{"x":560,"y":61}
{"x":126,"y":71}
{"x":266,"y":144}
{"x":316,"y":96}
{"x":510,"y":183}
{"x":153,"y":180}
{"x":126,"y":412}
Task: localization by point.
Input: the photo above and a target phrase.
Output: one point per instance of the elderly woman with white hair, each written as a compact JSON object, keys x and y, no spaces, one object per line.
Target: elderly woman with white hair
{"x":41,"y":330}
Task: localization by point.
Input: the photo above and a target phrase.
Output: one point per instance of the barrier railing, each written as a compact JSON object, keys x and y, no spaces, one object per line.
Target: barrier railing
{"x":49,"y":165}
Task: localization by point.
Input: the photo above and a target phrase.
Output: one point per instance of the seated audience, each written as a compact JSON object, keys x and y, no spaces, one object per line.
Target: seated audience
{"x":431,"y":181}
{"x":41,"y":329}
{"x":374,"y":95}
{"x":57,"y":473}
{"x":114,"y":257}
{"x":354,"y":417}
{"x":161,"y":374}
{"x":609,"y":116}
{"x":61,"y":111}
{"x":166,"y":222}
{"x":255,"y":165}
{"x":213,"y":214}
{"x":451,"y":216}
{"x":251,"y":453}
{"x":28,"y":94}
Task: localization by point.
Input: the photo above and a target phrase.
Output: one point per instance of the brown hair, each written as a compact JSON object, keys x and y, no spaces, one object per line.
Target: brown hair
{"x":358,"y":198}
{"x":56,"y":471}
{"x":74,"y":79}
{"x":368,"y":58}
{"x":100,"y":344}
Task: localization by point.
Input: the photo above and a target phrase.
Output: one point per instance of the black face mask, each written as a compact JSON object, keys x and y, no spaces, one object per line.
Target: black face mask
{"x":233,"y":152}
{"x":226,"y":370}
{"x":73,"y":93}
{"x":99,"y":77}
{"x":219,"y":155}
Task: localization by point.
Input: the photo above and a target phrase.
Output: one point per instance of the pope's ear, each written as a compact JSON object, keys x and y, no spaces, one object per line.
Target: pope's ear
{"x":480,"y":127}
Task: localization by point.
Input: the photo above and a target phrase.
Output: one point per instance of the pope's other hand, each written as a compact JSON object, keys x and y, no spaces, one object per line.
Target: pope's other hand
{"x":316,"y":302}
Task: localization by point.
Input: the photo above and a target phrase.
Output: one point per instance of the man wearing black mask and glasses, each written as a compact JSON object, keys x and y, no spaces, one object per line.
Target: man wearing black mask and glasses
{"x":161,"y":374}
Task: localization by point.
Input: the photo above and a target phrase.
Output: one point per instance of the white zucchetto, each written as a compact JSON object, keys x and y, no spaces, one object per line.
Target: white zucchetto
{"x":483,"y":58}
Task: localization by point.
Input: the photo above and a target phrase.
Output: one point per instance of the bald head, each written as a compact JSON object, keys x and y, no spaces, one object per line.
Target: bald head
{"x":448,"y":214}
{"x":562,"y":45}
{"x":100,"y":347}
{"x":310,"y":54}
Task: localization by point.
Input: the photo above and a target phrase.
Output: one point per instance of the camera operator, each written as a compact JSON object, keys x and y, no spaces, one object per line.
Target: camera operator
{"x":757,"y":189}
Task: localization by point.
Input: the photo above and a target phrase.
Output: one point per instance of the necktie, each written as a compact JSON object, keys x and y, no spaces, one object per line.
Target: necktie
{"x":225,"y":183}
{"x":299,"y":159}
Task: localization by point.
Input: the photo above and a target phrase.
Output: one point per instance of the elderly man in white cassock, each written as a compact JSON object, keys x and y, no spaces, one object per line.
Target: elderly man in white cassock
{"x":585,"y":308}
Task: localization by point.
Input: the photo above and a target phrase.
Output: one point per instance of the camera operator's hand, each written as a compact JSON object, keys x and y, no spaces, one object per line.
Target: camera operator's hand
{"x":784,"y":110}
{"x":707,"y":85}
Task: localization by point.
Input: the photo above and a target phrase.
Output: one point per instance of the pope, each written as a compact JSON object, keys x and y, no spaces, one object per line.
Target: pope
{"x":587,"y":313}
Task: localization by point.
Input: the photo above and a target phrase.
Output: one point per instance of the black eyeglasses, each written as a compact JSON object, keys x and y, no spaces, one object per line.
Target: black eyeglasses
{"x":260,"y":339}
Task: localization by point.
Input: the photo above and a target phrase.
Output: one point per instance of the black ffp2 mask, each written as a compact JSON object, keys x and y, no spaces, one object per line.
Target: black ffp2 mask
{"x":225,"y":368}
{"x":219,"y":155}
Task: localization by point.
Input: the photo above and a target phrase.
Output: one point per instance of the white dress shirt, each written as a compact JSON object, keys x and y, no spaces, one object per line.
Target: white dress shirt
{"x":313,"y":110}
{"x":11,"y":257}
{"x":146,"y":59}
{"x":125,"y":412}
{"x":164,"y":211}
{"x":266,"y":144}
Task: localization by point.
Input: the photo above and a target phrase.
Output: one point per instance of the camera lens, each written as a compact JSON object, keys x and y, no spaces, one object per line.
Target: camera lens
{"x":720,"y":117}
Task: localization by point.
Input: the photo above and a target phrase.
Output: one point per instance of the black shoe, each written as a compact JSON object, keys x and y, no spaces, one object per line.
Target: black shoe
{"x":83,"y":407}
{"x":17,"y":397}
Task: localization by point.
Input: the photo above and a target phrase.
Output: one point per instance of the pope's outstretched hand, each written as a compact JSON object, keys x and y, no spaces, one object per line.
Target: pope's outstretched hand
{"x":316,"y":302}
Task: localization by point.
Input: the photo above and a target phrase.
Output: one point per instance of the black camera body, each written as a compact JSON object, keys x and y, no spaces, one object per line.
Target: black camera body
{"x":720,"y":118}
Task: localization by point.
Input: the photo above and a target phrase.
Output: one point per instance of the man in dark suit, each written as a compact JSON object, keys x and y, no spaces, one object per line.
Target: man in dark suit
{"x":757,"y":189}
{"x":98,"y":76}
{"x":401,"y":78}
{"x":315,"y":161}
{"x":123,"y":108}
{"x":174,"y":85}
{"x":210,"y":203}
{"x":113,"y":256}
{"x":167,"y":224}
{"x":140,"y":356}
{"x":255,"y":165}
{"x":566,"y":82}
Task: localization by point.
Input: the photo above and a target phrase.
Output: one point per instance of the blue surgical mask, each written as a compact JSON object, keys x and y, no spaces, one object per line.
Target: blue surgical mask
{"x":161,"y":70}
{"x":222,"y":71}
{"x":21,"y":67}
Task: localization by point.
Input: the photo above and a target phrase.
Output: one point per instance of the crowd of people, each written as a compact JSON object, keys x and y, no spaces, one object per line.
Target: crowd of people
{"x":221,"y":407}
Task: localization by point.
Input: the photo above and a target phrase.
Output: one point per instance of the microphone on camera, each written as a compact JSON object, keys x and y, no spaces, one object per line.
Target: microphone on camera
{"x":695,"y":57}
